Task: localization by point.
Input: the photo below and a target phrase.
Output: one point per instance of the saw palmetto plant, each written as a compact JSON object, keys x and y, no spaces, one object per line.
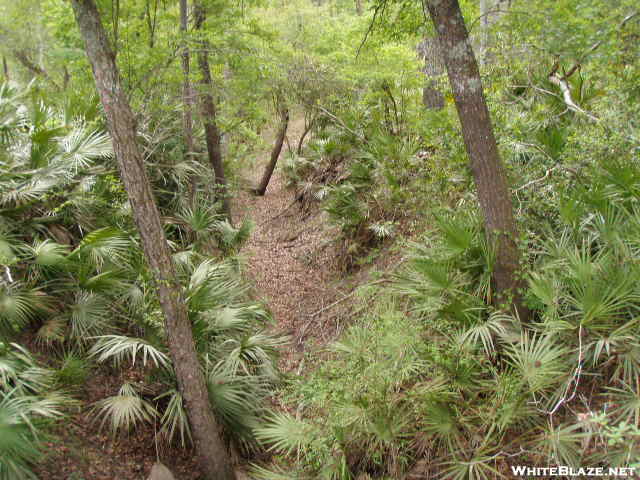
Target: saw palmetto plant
{"x":73,"y":273}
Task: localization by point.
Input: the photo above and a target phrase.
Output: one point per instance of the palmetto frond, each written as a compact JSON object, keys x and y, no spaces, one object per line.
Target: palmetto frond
{"x":118,"y":348}
{"x":80,"y":147}
{"x":105,"y":246}
{"x":233,"y":238}
{"x":20,"y":446}
{"x":213,"y":284}
{"x":627,"y":400}
{"x":479,"y":467}
{"x":124,"y":410}
{"x":286,"y":434}
{"x":485,"y":333}
{"x":19,"y":371}
{"x":174,"y":420}
{"x":561,"y":444}
{"x":26,"y":398}
{"x":18,"y":193}
{"x":252,"y":353}
{"x":540,"y":361}
{"x":200,"y":219}
{"x":19,"y":304}
{"x":237,"y":399}
{"x":48,"y":253}
{"x":89,"y":314}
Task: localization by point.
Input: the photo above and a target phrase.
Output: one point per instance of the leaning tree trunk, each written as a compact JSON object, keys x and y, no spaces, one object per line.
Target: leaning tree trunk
{"x":275,"y":153}
{"x":307,"y":128}
{"x":486,"y":166}
{"x":209,"y":116}
{"x":187,"y":98}
{"x":122,"y":128}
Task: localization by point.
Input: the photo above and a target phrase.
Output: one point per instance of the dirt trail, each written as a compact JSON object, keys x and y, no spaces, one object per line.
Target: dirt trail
{"x":286,"y":259}
{"x":289,"y":274}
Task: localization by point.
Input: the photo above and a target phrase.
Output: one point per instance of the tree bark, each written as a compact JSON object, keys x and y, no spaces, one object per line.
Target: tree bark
{"x":432,"y":97}
{"x":122,"y":128}
{"x":486,"y":165}
{"x":187,"y":95}
{"x":490,"y":12}
{"x":209,"y":114}
{"x":307,"y":128}
{"x":275,"y":153}
{"x":359,"y":7}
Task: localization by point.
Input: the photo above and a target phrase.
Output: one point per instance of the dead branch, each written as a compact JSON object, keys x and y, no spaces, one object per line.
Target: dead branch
{"x":340,"y":123}
{"x":561,"y":82}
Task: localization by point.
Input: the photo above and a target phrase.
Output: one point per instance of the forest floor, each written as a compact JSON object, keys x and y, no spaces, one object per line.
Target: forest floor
{"x":290,"y":260}
{"x":291,"y":263}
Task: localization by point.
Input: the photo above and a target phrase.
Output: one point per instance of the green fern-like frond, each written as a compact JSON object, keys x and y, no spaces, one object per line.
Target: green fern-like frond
{"x":286,"y":434}
{"x":123,"y":411}
{"x":118,"y":348}
{"x":540,"y":360}
{"x":174,"y":420}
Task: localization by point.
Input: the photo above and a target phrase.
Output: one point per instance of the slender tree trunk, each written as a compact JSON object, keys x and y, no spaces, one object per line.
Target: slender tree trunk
{"x":485,"y":6}
{"x":187,"y":96}
{"x":122,"y":128}
{"x":5,"y":68}
{"x":432,"y":97}
{"x":275,"y":153}
{"x":490,"y":13}
{"x":209,"y":116}
{"x":359,"y":7}
{"x":486,"y":166}
{"x":306,"y":131}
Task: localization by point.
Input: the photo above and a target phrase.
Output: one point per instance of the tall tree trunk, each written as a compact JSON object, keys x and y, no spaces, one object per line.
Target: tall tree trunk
{"x":432,"y":97}
{"x":359,"y":7}
{"x":490,"y":13}
{"x":486,"y":166}
{"x":275,"y":153}
{"x":187,"y":96}
{"x":485,"y":7}
{"x":209,"y":114}
{"x":122,"y":128}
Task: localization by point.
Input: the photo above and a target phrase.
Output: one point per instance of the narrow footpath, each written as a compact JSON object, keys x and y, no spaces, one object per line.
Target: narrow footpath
{"x":289,"y":257}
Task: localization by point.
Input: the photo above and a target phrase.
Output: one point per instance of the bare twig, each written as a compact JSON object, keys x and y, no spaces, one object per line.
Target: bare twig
{"x":378,"y":10}
{"x":340,"y":123}
{"x":537,"y":180}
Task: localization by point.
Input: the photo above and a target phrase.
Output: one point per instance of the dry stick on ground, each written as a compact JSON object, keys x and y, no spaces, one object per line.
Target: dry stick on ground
{"x":121,"y":124}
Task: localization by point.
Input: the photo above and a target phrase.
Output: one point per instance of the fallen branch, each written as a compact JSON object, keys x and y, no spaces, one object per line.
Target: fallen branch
{"x":537,"y":180}
{"x":561,"y":82}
